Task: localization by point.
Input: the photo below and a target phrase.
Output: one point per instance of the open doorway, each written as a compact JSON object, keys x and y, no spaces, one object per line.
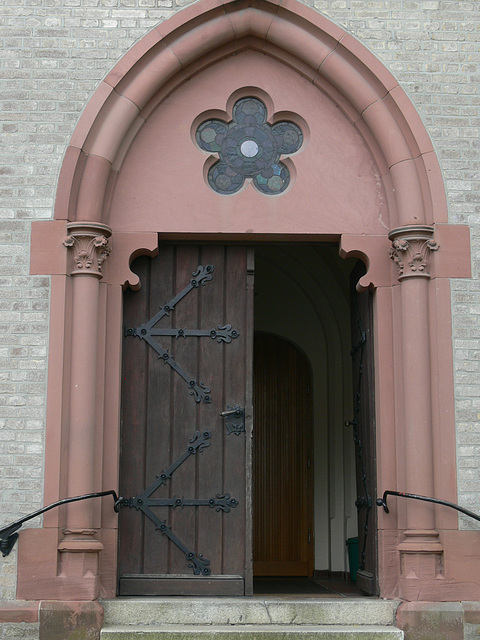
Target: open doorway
{"x":189,"y":464}
{"x":303,"y":301}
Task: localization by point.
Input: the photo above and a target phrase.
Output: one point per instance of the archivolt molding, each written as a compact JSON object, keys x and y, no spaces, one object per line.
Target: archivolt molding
{"x":211,"y":30}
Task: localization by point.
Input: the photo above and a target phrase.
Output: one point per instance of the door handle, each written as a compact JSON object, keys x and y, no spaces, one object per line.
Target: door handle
{"x":237,"y":411}
{"x":234,"y":419}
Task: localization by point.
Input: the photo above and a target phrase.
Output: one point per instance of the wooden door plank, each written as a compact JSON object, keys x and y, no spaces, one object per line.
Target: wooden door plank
{"x":134,"y":422}
{"x":180,"y":586}
{"x":184,"y":407}
{"x":211,"y":353}
{"x":158,"y":452}
{"x":235,"y":375}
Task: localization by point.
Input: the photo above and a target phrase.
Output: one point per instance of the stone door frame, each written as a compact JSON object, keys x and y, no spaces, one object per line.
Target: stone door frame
{"x":74,"y":555}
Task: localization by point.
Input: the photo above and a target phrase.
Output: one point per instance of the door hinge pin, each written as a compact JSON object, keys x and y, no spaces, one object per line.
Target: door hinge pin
{"x":309,"y":538}
{"x":309,"y":463}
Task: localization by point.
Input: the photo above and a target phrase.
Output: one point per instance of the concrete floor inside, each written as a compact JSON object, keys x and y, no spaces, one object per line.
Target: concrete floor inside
{"x":318,"y":587}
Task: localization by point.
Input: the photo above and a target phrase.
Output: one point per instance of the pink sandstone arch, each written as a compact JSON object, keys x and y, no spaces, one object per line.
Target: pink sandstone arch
{"x":90,"y":244}
{"x":204,"y":33}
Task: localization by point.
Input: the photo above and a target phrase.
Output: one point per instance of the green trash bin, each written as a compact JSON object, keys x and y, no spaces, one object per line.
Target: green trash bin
{"x":353,"y":557}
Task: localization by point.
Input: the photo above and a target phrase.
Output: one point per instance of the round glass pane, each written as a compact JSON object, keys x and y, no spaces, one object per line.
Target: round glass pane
{"x":249,"y":148}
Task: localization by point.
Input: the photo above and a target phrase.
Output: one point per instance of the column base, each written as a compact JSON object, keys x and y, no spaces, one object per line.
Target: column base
{"x":445,"y":571}
{"x":421,"y":563}
{"x":44,"y":573}
{"x":80,"y":541}
{"x":420,"y":541}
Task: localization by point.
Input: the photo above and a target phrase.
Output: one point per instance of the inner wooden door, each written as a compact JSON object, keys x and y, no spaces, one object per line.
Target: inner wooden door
{"x":283,"y":464}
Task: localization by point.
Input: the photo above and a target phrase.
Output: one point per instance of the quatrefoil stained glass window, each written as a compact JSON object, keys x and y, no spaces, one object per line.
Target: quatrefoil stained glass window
{"x":249,"y":148}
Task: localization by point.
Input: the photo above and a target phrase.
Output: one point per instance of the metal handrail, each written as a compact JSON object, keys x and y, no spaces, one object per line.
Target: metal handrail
{"x":8,"y":535}
{"x":382,"y":502}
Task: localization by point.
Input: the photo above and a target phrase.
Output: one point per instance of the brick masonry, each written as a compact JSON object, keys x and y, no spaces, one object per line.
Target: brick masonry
{"x":53,"y":55}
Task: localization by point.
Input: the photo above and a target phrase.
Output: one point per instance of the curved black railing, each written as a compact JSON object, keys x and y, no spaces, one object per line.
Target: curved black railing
{"x":9,"y":535}
{"x":382,"y":502}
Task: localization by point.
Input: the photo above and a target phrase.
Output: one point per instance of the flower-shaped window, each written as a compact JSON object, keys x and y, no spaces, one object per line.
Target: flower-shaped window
{"x":249,"y":147}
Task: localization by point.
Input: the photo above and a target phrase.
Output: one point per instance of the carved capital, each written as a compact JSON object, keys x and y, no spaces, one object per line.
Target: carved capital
{"x":411,"y":249}
{"x":89,"y":245}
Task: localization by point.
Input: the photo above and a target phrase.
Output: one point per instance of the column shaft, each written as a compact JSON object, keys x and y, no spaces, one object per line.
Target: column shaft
{"x":417,"y":403}
{"x":89,"y":249}
{"x":81,"y":446}
{"x":411,"y":250}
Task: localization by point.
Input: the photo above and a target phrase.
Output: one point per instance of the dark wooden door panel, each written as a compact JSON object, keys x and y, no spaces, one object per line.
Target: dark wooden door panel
{"x":364,"y":388}
{"x":161,"y":414}
{"x":283,"y":469}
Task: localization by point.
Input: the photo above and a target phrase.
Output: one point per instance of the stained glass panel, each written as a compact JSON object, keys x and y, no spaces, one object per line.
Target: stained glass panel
{"x":249,"y":148}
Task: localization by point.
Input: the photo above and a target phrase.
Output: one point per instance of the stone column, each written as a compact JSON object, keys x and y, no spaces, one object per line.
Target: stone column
{"x":88,"y":245}
{"x":411,"y":250}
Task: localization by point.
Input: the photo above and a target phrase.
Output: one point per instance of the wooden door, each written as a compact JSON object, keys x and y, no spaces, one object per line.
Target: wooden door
{"x":283,"y":464}
{"x":363,"y":427}
{"x":185,"y":524}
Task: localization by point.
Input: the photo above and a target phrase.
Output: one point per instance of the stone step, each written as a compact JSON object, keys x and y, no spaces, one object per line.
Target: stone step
{"x":249,"y":611}
{"x":250,"y":632}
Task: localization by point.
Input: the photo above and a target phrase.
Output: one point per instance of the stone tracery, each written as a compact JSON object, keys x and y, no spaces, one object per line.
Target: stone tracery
{"x":249,"y":147}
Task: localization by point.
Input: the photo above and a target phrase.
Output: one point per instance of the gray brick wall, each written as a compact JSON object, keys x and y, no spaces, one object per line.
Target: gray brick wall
{"x":54,"y":53}
{"x":19,"y":631}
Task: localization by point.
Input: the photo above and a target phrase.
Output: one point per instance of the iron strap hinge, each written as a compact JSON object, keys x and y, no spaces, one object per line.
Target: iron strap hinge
{"x":144,"y":502}
{"x":149,"y":332}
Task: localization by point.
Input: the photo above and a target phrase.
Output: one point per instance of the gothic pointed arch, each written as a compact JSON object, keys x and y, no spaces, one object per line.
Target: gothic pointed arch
{"x":365,"y":175}
{"x":204,"y":34}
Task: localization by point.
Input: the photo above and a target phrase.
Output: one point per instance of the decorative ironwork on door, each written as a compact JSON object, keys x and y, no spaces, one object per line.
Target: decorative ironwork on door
{"x":144,"y":502}
{"x":148,"y":332}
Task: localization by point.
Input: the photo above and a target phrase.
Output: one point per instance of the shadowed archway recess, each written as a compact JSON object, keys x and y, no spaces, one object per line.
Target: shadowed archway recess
{"x":367,"y":177}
